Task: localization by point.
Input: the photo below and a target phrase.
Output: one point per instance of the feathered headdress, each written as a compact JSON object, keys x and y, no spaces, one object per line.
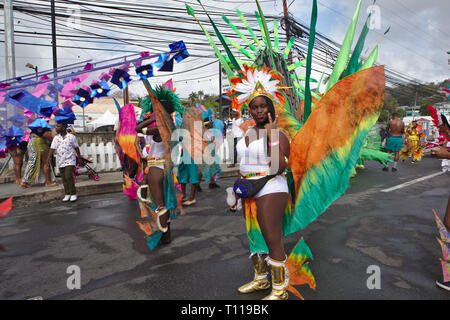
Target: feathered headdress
{"x":435,"y":115}
{"x":254,"y":82}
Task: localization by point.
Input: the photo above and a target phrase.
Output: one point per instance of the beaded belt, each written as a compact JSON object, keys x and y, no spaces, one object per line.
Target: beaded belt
{"x":155,"y":161}
{"x":254,"y":174}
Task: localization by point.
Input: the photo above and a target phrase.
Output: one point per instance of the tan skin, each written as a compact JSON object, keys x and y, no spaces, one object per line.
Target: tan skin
{"x":443,"y":153}
{"x":395,"y":128}
{"x":270,"y":207}
{"x":155,"y":176}
{"x":17,"y":156}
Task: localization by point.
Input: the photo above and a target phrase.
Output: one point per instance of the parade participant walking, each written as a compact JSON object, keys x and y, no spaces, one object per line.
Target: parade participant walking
{"x":17,"y":148}
{"x":38,"y":154}
{"x":413,"y":148}
{"x":188,"y":173}
{"x":67,"y":153}
{"x":326,"y":138}
{"x":272,"y":199}
{"x":161,"y":198}
{"x":395,"y":129}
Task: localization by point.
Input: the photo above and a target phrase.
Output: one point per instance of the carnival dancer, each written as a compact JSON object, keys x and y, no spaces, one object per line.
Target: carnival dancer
{"x":325,"y":134}
{"x":188,"y":173}
{"x":16,"y":147}
{"x":413,"y":148}
{"x":161,"y":198}
{"x":395,"y":129}
{"x":443,"y":137}
{"x":38,"y":154}
{"x":272,"y":199}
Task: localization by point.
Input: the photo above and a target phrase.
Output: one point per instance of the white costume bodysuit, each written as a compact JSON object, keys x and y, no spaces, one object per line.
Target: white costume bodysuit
{"x":254,"y":159}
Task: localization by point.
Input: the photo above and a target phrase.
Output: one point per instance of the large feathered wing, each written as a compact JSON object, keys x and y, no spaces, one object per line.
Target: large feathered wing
{"x":126,"y":134}
{"x":326,"y":148}
{"x":193,"y":123}
{"x":165,"y":126}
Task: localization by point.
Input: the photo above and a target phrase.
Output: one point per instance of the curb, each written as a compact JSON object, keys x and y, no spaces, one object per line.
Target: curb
{"x":57,"y":193}
{"x":86,"y":188}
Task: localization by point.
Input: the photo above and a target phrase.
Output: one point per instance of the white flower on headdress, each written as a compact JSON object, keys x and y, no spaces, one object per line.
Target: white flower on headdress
{"x":257,"y":81}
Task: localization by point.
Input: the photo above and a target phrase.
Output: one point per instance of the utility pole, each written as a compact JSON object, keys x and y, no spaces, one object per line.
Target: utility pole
{"x":287,"y":26}
{"x":9,"y":39}
{"x":54,"y":48}
{"x":220,"y":90}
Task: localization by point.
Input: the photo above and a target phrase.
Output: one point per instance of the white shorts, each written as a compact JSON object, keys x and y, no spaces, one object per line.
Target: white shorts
{"x":161,"y":166}
{"x":277,"y":184}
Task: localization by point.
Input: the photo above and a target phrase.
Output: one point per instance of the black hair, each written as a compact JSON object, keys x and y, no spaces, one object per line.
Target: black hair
{"x":445,"y":121}
{"x":395,"y":114}
{"x":168,"y":106}
{"x":269,"y":104}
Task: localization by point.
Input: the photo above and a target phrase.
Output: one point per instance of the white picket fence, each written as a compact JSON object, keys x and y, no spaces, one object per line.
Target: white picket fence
{"x":105,"y":159}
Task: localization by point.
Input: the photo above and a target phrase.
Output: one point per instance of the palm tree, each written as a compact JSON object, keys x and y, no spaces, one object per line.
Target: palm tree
{"x":200,"y":95}
{"x":193,"y":97}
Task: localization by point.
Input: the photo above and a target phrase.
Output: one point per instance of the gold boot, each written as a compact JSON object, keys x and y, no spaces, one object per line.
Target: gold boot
{"x":280,"y":280}
{"x":260,"y":281}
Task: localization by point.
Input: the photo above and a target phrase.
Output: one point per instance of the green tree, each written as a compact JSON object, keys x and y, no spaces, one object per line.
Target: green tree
{"x":424,"y":110}
{"x":384,"y":116}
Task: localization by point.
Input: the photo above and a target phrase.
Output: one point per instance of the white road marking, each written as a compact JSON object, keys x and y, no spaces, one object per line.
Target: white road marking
{"x":412,"y":182}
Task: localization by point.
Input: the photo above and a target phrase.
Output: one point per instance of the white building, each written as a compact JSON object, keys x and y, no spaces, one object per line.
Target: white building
{"x":443,"y":108}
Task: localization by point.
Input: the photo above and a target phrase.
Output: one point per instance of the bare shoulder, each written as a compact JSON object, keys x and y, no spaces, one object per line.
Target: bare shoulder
{"x":283,"y":136}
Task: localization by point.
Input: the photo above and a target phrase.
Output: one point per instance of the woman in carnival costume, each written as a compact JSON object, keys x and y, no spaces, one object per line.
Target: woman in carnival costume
{"x":307,"y":162}
{"x":213,"y":135}
{"x":38,"y":153}
{"x":17,"y":147}
{"x":157,"y":196}
{"x":413,"y":148}
{"x":443,"y":138}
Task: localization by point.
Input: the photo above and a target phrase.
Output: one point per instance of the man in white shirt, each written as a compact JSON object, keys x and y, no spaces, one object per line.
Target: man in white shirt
{"x":237,"y":133}
{"x":66,"y":146}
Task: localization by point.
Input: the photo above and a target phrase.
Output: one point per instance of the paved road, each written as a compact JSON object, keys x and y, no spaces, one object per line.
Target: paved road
{"x":208,"y":258}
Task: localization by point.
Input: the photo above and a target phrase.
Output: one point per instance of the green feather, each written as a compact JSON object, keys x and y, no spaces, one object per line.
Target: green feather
{"x":249,"y":29}
{"x":296,"y":65}
{"x":232,"y":26}
{"x":189,"y":10}
{"x":288,"y":48}
{"x":276,"y":38}
{"x":342,"y":58}
{"x":236,"y":65}
{"x":371,"y":60}
{"x":258,"y":19}
{"x":353,"y":64}
{"x":237,"y":46}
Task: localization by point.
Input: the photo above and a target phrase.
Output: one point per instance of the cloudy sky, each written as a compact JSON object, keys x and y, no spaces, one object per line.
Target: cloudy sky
{"x":416,"y":45}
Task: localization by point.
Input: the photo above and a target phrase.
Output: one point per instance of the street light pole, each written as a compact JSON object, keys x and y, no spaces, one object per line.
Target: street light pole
{"x":9,"y":39}
{"x":220,"y":91}
{"x":35,"y":68}
{"x":54,"y":48}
